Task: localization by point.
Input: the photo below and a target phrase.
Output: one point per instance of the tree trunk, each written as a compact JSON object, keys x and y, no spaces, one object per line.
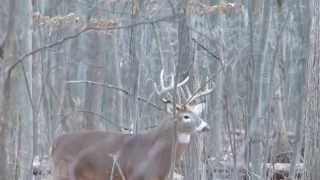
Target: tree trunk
{"x":7,"y":50}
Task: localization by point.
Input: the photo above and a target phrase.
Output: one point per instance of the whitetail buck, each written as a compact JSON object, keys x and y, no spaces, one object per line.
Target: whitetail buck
{"x":145,"y":156}
{"x":66,"y":147}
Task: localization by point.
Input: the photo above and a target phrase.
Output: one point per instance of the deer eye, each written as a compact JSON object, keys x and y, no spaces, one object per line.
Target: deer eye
{"x":186,"y":117}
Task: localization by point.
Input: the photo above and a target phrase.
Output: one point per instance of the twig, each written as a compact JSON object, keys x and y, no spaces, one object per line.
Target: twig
{"x":100,"y":84}
{"x":115,"y":162}
{"x":126,"y":92}
{"x":112,"y":169}
{"x":93,"y":113}
{"x":214,"y":76}
{"x":207,"y":50}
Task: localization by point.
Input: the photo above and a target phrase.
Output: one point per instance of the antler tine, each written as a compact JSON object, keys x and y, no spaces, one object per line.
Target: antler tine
{"x":163,"y":89}
{"x":199,"y":94}
{"x":180,"y":89}
{"x":184,"y":92}
{"x":189,"y":94}
{"x":183,"y":82}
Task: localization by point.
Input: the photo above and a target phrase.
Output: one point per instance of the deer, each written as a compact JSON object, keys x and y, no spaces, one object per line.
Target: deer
{"x":65,"y":148}
{"x":146,"y":156}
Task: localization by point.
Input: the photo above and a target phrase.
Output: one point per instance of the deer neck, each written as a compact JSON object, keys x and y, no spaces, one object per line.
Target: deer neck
{"x":165,"y":133}
{"x":182,"y":143}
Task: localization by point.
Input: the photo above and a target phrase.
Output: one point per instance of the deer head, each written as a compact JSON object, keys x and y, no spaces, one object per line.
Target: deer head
{"x":187,"y":114}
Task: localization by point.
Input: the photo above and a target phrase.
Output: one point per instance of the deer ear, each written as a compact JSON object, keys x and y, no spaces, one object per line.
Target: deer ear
{"x":197,"y":109}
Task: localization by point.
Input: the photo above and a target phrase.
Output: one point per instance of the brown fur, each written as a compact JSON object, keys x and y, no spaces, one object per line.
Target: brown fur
{"x":66,"y":148}
{"x":141,"y":157}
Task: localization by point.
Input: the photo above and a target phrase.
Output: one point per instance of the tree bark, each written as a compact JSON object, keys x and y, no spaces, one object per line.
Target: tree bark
{"x":135,"y":64}
{"x":5,"y":90}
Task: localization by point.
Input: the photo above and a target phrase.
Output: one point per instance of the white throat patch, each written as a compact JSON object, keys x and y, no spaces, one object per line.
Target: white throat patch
{"x":184,"y":138}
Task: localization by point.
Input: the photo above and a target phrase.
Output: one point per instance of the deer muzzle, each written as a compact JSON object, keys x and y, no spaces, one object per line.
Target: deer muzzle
{"x":203,"y":127}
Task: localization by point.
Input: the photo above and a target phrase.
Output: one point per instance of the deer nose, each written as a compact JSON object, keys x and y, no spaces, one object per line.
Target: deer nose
{"x":206,"y":129}
{"x":203,"y":127}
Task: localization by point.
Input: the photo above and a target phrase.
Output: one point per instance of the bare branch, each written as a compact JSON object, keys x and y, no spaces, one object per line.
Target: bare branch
{"x":126,"y":92}
{"x":22,"y":58}
{"x":84,"y":30}
{"x":207,"y":50}
{"x":100,"y":84}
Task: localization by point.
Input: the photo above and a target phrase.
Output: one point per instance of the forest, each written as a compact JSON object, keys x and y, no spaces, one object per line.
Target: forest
{"x":180,"y":89}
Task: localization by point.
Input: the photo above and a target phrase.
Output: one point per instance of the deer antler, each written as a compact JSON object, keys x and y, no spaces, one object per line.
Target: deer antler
{"x":185,"y":93}
{"x":165,"y":89}
{"x":199,"y":94}
{"x":183,"y":82}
